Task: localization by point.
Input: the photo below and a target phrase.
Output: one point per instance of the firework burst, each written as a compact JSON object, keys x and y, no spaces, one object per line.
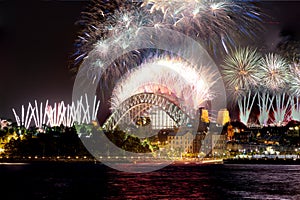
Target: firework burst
{"x":184,"y":83}
{"x":294,"y":80}
{"x":274,"y":72}
{"x":209,"y":20}
{"x":240,"y":70}
{"x":112,"y":28}
{"x":295,"y":90}
{"x":109,"y":21}
{"x":206,"y":21}
{"x":275,"y":76}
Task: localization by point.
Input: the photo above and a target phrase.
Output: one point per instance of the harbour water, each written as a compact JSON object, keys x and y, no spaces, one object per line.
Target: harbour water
{"x":96,"y":181}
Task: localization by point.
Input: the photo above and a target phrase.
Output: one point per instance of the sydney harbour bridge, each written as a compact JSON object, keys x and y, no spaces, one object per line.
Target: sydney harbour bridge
{"x":158,"y":110}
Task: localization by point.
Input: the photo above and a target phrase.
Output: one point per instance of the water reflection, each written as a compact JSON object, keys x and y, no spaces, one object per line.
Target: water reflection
{"x":96,"y":181}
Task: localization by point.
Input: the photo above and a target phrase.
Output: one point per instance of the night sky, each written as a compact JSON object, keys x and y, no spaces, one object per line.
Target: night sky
{"x":37,"y":41}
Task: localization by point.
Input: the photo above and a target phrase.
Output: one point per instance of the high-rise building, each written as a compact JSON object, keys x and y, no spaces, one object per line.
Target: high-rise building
{"x":203,"y":120}
{"x":223,"y":117}
{"x":205,"y":116}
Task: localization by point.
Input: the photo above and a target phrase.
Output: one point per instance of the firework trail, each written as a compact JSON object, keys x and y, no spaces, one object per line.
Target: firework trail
{"x":295,"y":108}
{"x":245,"y":106}
{"x":265,"y":101}
{"x":108,"y":27}
{"x":282,"y":104}
{"x":104,"y":20}
{"x":78,"y":112}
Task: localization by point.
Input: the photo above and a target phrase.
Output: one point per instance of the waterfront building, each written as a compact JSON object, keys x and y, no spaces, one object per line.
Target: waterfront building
{"x":197,"y":142}
{"x":293,"y":131}
{"x":213,"y":144}
{"x":181,"y":141}
{"x":230,"y":132}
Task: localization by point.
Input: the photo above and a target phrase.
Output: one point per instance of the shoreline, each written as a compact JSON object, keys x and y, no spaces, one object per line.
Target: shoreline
{"x":45,"y":160}
{"x":266,"y":161}
{"x":117,"y":161}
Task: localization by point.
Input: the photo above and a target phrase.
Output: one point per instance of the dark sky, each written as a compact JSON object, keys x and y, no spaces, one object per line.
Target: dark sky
{"x":37,"y":37}
{"x":36,"y":42}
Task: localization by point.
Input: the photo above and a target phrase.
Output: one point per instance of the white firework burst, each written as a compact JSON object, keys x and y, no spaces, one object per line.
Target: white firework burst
{"x":241,"y":70}
{"x":294,"y":80}
{"x":110,"y":21}
{"x":274,"y":72}
{"x":209,"y":20}
{"x":173,"y":77}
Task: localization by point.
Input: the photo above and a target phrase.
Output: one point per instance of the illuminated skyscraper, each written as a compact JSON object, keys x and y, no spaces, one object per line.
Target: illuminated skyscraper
{"x":223,"y":117}
{"x":203,"y":120}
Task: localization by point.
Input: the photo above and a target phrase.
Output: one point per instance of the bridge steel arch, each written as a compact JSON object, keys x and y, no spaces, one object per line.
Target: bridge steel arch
{"x":143,"y":102}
